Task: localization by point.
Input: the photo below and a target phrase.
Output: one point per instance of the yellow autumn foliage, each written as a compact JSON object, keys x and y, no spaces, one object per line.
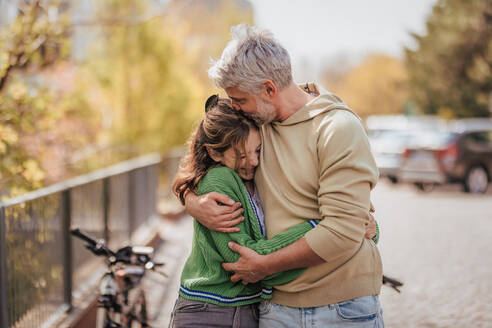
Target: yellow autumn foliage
{"x":378,"y":85}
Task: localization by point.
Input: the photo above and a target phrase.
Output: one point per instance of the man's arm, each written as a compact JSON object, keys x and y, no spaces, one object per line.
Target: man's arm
{"x":207,"y":210}
{"x":347,"y":174}
{"x":252,"y":267}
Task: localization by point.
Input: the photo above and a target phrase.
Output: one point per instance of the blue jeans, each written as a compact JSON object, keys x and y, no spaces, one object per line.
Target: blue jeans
{"x":359,"y":312}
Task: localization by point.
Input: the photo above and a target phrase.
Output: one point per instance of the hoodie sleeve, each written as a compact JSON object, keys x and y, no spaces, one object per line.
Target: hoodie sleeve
{"x":347,"y":173}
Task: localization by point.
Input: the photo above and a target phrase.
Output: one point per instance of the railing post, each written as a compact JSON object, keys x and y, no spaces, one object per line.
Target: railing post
{"x":66,"y":207}
{"x":154,"y":183}
{"x":106,"y":206}
{"x":132,"y":208}
{"x":4,"y":319}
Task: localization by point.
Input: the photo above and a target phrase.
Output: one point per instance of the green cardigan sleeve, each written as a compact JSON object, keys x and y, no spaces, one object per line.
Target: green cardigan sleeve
{"x":227,"y":182}
{"x":376,"y":237}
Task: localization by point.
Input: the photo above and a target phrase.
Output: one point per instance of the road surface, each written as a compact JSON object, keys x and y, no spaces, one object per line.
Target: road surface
{"x":439,"y":244}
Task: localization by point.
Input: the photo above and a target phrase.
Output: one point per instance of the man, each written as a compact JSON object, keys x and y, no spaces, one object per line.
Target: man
{"x":315,"y":162}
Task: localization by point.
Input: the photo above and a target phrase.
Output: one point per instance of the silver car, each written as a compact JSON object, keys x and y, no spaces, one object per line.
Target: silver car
{"x":387,"y":148}
{"x":390,"y":135}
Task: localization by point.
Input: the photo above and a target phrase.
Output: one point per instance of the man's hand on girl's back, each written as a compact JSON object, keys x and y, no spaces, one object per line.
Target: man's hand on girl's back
{"x":215,"y":211}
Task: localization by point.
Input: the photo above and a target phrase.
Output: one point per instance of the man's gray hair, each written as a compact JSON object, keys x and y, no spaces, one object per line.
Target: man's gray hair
{"x":252,"y":56}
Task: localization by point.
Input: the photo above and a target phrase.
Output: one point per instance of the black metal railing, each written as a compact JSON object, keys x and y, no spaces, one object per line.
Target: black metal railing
{"x":42,"y":270}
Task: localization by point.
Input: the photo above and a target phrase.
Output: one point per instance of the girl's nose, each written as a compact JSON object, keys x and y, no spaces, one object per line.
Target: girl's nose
{"x":253,"y":161}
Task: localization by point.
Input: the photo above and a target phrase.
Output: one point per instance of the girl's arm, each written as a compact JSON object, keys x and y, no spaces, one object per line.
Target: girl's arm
{"x":224,"y":181}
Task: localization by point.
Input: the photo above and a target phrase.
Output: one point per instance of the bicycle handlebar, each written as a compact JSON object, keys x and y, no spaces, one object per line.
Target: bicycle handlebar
{"x":94,"y":244}
{"x":123,"y":255}
{"x":78,"y":233}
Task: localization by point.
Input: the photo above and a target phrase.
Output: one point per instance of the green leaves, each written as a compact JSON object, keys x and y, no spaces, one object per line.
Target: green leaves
{"x":137,"y":87}
{"x":30,"y":108}
{"x":378,"y":85}
{"x":450,"y":68}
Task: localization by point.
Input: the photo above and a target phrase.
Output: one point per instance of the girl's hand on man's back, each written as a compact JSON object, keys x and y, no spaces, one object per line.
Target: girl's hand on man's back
{"x":370,"y":227}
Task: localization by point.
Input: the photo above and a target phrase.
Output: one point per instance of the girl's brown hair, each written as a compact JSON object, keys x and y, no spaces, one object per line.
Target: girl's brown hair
{"x":221,"y":128}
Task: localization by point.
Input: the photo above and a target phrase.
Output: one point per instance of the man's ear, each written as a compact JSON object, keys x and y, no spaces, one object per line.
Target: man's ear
{"x":216,"y":156}
{"x":269,"y":89}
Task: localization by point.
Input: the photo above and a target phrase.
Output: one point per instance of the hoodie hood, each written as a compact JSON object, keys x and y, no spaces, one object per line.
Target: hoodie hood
{"x":325,"y":101}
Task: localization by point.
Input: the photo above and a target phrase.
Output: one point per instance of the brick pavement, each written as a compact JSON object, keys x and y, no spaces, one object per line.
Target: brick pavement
{"x":437,"y":243}
{"x":173,"y":251}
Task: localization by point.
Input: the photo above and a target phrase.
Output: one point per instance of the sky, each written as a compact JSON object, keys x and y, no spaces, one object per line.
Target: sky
{"x":317,"y":32}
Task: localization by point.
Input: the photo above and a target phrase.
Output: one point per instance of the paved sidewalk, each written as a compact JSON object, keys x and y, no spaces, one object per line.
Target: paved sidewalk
{"x":173,"y":250}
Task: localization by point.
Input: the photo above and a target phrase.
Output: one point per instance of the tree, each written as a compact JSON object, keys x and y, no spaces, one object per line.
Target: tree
{"x":31,"y":114}
{"x":134,"y":71}
{"x":205,"y":27}
{"x":30,"y":109}
{"x":139,"y":88}
{"x":378,"y":85}
{"x":450,"y":68}
{"x":150,"y":74}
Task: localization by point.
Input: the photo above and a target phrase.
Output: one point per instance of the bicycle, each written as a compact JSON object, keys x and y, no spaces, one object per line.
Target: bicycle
{"x":121,"y":303}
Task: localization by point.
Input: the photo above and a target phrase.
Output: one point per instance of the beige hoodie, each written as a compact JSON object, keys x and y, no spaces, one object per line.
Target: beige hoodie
{"x":317,"y":164}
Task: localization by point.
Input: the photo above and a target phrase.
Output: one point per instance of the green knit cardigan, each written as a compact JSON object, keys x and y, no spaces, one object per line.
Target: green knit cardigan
{"x":203,"y":277}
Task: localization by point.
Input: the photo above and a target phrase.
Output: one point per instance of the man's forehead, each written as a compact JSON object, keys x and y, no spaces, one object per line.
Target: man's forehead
{"x":235,"y":94}
{"x":236,"y":99}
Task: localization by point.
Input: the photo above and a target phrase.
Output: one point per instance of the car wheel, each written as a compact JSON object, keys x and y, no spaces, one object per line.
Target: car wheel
{"x":393,"y":179}
{"x":476,"y":180}
{"x":425,"y":186}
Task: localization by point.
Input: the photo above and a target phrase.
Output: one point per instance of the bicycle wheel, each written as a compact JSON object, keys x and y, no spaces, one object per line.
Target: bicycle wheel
{"x":101,"y":316}
{"x":105,"y":319}
{"x":139,"y":310}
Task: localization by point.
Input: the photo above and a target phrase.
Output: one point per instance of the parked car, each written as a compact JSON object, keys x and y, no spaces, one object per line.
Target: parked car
{"x":390,"y":135}
{"x":461,"y":153}
{"x":376,"y":124}
{"x":387,"y":148}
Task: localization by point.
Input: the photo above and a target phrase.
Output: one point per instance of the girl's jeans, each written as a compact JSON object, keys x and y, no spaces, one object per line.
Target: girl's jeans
{"x":199,"y":314}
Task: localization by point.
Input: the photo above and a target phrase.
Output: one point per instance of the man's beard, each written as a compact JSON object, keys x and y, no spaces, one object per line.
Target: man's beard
{"x":265,"y":112}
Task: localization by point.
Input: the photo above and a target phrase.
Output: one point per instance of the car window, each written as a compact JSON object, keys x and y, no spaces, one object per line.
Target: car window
{"x":479,"y":141}
{"x":433,"y":139}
